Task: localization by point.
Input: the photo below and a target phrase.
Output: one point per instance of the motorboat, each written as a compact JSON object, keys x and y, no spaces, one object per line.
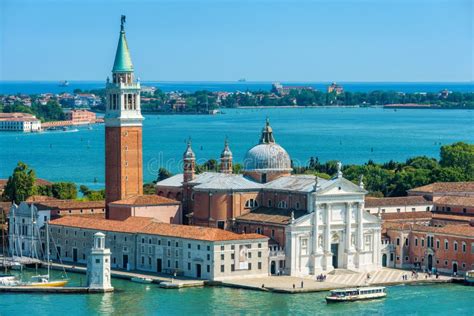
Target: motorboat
{"x":356,"y":294}
{"x":142,"y":280}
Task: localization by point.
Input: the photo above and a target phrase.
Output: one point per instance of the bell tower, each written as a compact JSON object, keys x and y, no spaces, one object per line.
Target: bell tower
{"x":123,"y":128}
{"x":226,"y":159}
{"x":189,"y":160}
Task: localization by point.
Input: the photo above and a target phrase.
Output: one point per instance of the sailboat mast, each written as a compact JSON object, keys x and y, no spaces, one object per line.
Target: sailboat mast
{"x":47,"y":245}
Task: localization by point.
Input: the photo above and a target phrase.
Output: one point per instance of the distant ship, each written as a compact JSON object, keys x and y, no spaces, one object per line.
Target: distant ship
{"x":64,"y":83}
{"x":242,"y":80}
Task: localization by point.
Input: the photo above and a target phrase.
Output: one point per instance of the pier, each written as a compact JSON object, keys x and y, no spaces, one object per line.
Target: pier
{"x":164,"y":281}
{"x":51,"y":290}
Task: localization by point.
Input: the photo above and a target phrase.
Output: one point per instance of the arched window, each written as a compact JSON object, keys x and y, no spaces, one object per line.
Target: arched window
{"x":160,"y":193}
{"x":282,"y":204}
{"x":251,"y":203}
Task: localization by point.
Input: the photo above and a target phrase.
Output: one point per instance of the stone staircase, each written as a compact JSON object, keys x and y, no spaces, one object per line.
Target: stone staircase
{"x":351,"y":278}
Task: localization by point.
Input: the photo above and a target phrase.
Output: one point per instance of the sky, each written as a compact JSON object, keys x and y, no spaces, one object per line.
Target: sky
{"x":260,"y":40}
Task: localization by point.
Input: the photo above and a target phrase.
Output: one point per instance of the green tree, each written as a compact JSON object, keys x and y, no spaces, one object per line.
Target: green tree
{"x":64,"y":190}
{"x":149,"y":188}
{"x":459,"y":155}
{"x":163,"y":173}
{"x":20,"y":184}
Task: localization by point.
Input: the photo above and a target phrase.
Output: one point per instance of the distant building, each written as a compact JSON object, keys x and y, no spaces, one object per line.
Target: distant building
{"x":460,"y":205}
{"x":79,"y":117}
{"x":334,"y":87}
{"x":19,"y":122}
{"x":160,"y":208}
{"x":397,"y":204}
{"x":285,"y":90}
{"x":148,"y":90}
{"x":436,"y":190}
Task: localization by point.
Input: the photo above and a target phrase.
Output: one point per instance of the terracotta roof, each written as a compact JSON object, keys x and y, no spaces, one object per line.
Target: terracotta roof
{"x":396,"y":201}
{"x":40,"y":198}
{"x":461,"y":230}
{"x":271,"y":215}
{"x":69,"y":204}
{"x":456,"y":200}
{"x":130,"y":225}
{"x":3,"y":182}
{"x":406,"y":216}
{"x":453,"y":217}
{"x":446,"y":187}
{"x":146,"y":225}
{"x":146,"y":200}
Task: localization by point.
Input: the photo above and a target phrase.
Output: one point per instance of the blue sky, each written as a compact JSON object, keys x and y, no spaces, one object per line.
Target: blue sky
{"x":366,"y":40}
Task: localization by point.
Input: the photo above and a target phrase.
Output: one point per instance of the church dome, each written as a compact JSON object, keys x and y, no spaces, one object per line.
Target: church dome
{"x":267,"y":156}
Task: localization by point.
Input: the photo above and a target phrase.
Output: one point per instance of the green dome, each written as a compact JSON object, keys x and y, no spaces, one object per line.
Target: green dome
{"x":123,"y":61}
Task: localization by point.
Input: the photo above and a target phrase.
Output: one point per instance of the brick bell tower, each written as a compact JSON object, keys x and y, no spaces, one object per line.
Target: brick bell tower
{"x":123,"y":128}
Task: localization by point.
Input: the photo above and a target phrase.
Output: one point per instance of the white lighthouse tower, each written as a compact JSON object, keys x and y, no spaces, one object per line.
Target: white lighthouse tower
{"x":98,"y":267}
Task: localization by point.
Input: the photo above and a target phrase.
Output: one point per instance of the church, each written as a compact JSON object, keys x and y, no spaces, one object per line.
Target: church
{"x":314,"y":225}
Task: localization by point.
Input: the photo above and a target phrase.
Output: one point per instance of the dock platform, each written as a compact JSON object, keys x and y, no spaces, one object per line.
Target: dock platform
{"x":51,"y":290}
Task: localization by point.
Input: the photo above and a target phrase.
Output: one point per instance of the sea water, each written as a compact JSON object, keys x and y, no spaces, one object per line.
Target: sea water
{"x":351,"y":135}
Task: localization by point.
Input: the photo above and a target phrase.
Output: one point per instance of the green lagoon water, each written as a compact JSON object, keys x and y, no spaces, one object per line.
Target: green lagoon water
{"x":140,"y":299}
{"x":352,"y":135}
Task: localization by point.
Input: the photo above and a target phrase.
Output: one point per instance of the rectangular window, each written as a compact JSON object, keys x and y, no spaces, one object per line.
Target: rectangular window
{"x":416,"y":242}
{"x":260,"y":254}
{"x":446,"y":245}
{"x":222,"y":268}
{"x":250,"y":266}
{"x":222,"y":256}
{"x":189,"y":265}
{"x":208,"y":257}
{"x":189,"y":246}
{"x":232,"y":267}
{"x":304,"y":246}
{"x":208,"y":268}
{"x":260,"y":266}
{"x":437,"y":244}
{"x":222,"y":248}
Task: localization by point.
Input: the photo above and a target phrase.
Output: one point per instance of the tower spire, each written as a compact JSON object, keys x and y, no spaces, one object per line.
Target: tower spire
{"x":267,"y":133}
{"x":123,"y":61}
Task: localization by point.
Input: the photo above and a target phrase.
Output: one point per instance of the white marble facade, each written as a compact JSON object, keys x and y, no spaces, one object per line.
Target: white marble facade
{"x":336,"y":233}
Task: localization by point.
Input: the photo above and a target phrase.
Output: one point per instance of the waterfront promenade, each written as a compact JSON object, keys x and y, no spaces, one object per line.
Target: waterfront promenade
{"x":339,"y":279}
{"x":282,"y":284}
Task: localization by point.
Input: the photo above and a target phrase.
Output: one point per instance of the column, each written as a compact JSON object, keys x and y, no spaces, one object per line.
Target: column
{"x":348,"y":227}
{"x":315,"y":228}
{"x":360,"y":228}
{"x":327,"y":232}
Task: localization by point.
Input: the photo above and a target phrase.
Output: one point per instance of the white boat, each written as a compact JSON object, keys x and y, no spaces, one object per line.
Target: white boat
{"x":142,"y":280}
{"x":356,"y":294}
{"x":8,"y":280}
{"x":469,"y":277}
